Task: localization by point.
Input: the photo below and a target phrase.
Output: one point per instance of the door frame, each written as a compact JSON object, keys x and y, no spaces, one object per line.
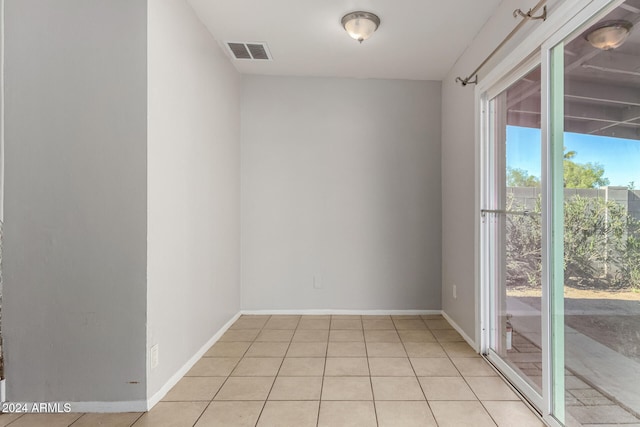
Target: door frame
{"x":565,"y":19}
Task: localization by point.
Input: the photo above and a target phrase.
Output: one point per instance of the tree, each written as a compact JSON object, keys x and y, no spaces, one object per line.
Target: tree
{"x":582,"y":175}
{"x":521,"y":178}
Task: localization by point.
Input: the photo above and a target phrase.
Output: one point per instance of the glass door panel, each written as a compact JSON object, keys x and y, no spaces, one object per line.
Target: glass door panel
{"x":597,"y":214}
{"x":512,"y":220}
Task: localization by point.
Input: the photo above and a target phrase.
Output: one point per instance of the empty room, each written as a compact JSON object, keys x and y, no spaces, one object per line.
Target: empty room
{"x":303,"y":213}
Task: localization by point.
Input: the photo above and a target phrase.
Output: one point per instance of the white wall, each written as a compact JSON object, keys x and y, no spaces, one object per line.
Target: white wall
{"x":74,"y":255}
{"x":341,"y":182}
{"x":459,"y":190}
{"x":193,"y":187}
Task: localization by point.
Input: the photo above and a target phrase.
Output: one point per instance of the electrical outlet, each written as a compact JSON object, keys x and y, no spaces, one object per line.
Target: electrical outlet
{"x":455,"y":292}
{"x":154,"y":356}
{"x":317,"y":282}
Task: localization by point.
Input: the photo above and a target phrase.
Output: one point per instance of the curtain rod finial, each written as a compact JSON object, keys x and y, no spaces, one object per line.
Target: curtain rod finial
{"x":467,"y":80}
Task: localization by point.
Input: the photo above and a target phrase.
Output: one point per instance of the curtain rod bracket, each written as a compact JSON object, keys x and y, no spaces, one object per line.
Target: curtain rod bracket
{"x":518,"y":12}
{"x":529,"y":15}
{"x":467,"y":80}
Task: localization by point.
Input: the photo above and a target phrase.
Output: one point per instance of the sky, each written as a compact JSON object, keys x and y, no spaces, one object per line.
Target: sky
{"x":619,"y":157}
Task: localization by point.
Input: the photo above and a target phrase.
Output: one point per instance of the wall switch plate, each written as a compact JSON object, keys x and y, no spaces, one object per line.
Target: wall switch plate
{"x":455,"y":292}
{"x":154,"y":356}
{"x":317,"y":282}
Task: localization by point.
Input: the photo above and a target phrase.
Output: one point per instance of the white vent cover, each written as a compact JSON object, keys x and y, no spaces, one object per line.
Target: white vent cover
{"x":257,"y":51}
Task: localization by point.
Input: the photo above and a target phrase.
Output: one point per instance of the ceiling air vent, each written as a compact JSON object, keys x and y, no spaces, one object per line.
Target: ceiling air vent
{"x":249,"y":50}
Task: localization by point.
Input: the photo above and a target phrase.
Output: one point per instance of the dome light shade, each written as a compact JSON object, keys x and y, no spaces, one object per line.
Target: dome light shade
{"x":609,"y":35}
{"x":360,"y":25}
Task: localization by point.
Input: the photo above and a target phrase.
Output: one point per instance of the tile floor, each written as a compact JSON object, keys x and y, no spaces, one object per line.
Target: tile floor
{"x":398,"y":371}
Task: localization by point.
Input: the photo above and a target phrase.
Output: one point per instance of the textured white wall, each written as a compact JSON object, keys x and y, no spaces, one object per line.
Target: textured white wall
{"x":193,"y":187}
{"x":74,"y":261}
{"x":341,"y":183}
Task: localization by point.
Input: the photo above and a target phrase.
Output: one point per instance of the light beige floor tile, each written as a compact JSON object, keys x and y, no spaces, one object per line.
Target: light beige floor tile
{"x":346,"y":317}
{"x":432,"y":317}
{"x":346,"y":388}
{"x":231,"y":414}
{"x":346,"y":366}
{"x":172,"y":414}
{"x":311,"y":335}
{"x":347,"y":414}
{"x":107,"y":420}
{"x":5,"y":419}
{"x":390,"y":367}
{"x":257,"y":367}
{"x":447,"y":335}
{"x":396,"y":388}
{"x":228,"y":349}
{"x":446,"y":388}
{"x":461,"y":414}
{"x":275,"y":335}
{"x":410,"y":324}
{"x":459,"y":349}
{"x":302,"y":367}
{"x":508,"y":414}
{"x":314,"y":323}
{"x":491,"y":388}
{"x":45,"y":420}
{"x":282,"y":322}
{"x":267,"y":349}
{"x":410,"y":335}
{"x":296,"y":388}
{"x":355,"y":324}
{"x":473,"y":367}
{"x":438,"y":324}
{"x":378,"y":324}
{"x":289,"y":414}
{"x":346,"y":349}
{"x":385,"y":349}
{"x":250,"y":322}
{"x":213,"y":367}
{"x":337,"y":335}
{"x":245,"y":388}
{"x":307,"y":349}
{"x":405,"y":414}
{"x":240,"y":335}
{"x":376,"y":317}
{"x":434,"y":367}
{"x":405,"y":317}
{"x":424,"y":349}
{"x":191,"y":389}
{"x":381,"y":336}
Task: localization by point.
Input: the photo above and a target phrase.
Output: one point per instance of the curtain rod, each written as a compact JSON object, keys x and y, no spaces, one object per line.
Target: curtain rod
{"x":525,"y":17}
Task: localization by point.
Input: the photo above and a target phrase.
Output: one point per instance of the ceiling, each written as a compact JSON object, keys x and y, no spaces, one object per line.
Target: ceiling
{"x":416,"y":40}
{"x":602,"y":88}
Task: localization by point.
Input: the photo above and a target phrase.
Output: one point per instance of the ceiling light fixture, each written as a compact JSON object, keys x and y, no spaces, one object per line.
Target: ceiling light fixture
{"x":360,"y":25}
{"x":608,"y":35}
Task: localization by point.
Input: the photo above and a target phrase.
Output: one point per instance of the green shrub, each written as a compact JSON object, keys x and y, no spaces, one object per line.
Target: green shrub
{"x":601,"y":245}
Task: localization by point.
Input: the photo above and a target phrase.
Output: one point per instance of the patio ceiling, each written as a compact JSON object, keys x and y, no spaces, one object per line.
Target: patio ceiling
{"x":602,"y":88}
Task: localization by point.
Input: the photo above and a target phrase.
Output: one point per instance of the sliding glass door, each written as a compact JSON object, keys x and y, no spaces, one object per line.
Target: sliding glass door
{"x":512,"y":230}
{"x":560,"y":220}
{"x":595,"y":147}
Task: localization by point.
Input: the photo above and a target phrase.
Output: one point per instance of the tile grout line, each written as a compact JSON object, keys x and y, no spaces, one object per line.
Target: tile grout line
{"x":366,"y":354}
{"x":228,"y":376}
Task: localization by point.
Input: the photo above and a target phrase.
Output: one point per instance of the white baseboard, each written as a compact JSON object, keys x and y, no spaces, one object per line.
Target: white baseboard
{"x":157,"y":397}
{"x":466,"y":337}
{"x":342,"y":312}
